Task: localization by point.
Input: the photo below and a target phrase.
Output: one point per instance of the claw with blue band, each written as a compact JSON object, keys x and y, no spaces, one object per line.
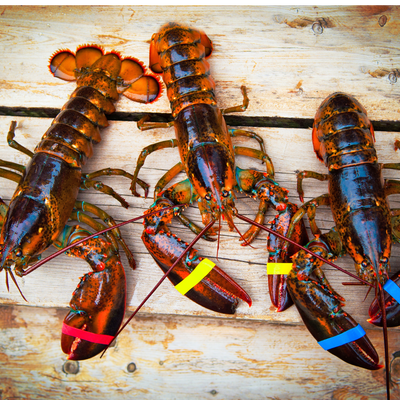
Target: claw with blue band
{"x":343,"y":338}
{"x":392,"y":289}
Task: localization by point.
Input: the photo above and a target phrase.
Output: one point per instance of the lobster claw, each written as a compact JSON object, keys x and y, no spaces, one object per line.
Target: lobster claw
{"x":277,"y":283}
{"x":321,"y":310}
{"x":98,"y":303}
{"x":391,"y":304}
{"x":217,"y":291}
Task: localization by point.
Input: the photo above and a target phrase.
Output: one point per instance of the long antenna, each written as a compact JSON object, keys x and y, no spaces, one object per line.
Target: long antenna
{"x":195,"y":240}
{"x":110,"y":228}
{"x":242,"y":217}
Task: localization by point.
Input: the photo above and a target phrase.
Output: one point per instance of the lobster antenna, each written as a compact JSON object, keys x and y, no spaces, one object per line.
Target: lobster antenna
{"x":385,"y":340}
{"x":219,"y":235}
{"x":15,"y":282}
{"x":110,"y":228}
{"x":247,"y":243}
{"x":7,"y":285}
{"x":242,"y":217}
{"x":194,"y":241}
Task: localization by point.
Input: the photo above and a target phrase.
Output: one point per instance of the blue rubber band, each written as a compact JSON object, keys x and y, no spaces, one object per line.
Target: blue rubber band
{"x":343,"y":338}
{"x":392,"y":289}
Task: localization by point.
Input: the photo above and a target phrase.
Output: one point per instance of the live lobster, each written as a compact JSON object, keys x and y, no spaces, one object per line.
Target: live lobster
{"x":45,"y":198}
{"x":343,"y":138}
{"x":208,"y":159}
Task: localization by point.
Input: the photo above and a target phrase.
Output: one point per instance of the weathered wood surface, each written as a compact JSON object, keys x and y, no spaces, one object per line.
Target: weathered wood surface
{"x":245,"y":264}
{"x":290,"y":58}
{"x":178,"y":358}
{"x":289,"y":67}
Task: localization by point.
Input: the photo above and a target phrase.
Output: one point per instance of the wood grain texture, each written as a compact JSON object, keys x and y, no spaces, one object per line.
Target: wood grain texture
{"x":177,"y":358}
{"x":287,"y":62}
{"x":289,"y":66}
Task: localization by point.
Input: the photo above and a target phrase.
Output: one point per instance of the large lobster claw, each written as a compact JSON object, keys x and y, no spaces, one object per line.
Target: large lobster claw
{"x":321,"y":310}
{"x":98,"y":303}
{"x":216,"y":291}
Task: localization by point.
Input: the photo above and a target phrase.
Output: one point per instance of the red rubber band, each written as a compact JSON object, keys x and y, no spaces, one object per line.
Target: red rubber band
{"x":85,"y":335}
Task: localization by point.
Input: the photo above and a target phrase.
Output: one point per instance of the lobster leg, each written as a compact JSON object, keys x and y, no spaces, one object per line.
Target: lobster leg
{"x":18,"y":167}
{"x":117,"y":172}
{"x":321,"y":307}
{"x":144,"y":124}
{"x":99,"y":186}
{"x":13,"y":143}
{"x":87,"y":207}
{"x":142,"y":157}
{"x":12,"y":176}
{"x":98,"y":303}
{"x":308,"y":174}
{"x":167,"y":178}
{"x":248,"y":134}
{"x":242,"y":107}
{"x":216,"y":291}
{"x":257,"y":154}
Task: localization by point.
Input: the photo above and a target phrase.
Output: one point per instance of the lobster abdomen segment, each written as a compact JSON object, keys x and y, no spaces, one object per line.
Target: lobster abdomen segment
{"x":179,"y":52}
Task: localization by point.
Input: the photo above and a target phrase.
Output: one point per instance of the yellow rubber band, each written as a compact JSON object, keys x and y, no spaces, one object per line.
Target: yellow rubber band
{"x":278,"y":268}
{"x":201,"y":271}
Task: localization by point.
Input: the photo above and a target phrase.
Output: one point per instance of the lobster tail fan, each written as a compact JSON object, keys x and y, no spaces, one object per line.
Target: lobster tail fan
{"x":63,"y":64}
{"x":86,"y":56}
{"x":145,"y":90}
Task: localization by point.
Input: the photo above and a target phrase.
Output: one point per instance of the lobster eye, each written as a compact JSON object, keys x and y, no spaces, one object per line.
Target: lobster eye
{"x":225,"y":193}
{"x":18,"y":253}
{"x":384,"y":260}
{"x":208,"y":196}
{"x":364,"y":264}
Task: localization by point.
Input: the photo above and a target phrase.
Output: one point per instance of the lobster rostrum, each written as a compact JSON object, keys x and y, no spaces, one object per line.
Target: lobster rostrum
{"x":208,"y":158}
{"x":45,"y":198}
{"x":343,"y":138}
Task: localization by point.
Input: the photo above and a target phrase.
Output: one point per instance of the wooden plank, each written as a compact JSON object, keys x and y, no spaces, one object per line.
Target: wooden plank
{"x":289,"y":149}
{"x":290,"y":58}
{"x":175,"y":359}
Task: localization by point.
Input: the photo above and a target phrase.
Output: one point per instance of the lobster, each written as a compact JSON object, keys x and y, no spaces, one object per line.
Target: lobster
{"x":45,"y":198}
{"x":343,"y":138}
{"x":208,"y":158}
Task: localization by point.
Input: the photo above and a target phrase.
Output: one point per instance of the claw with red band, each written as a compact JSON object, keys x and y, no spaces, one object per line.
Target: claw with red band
{"x":98,"y":303}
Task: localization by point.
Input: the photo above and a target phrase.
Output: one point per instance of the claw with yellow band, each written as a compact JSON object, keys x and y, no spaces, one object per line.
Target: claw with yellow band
{"x":197,"y":278}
